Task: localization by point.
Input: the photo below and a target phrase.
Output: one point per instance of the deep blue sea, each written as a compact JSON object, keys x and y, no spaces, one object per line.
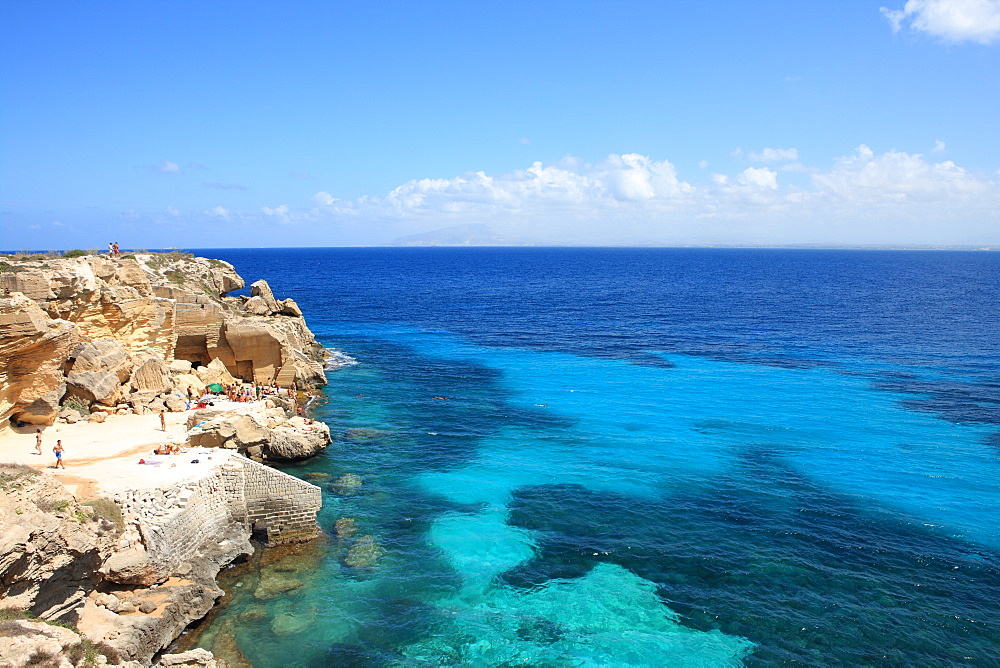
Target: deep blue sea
{"x":643,"y":457}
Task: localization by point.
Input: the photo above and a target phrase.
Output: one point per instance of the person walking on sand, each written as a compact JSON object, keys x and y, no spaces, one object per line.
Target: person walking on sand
{"x":38,"y":441}
{"x":163,"y":420}
{"x":58,"y":449}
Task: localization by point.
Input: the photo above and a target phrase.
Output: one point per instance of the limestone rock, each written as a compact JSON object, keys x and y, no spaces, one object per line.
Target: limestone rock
{"x":215,"y":372}
{"x":46,"y":554}
{"x":263,"y":290}
{"x":180,"y":366}
{"x":289,"y":307}
{"x":22,"y":640}
{"x":257,"y":306}
{"x":152,"y":376}
{"x":69,"y":415}
{"x":99,"y":369}
{"x":135,"y":566}
{"x":193,"y":658}
{"x":175,"y":404}
{"x":33,"y":348}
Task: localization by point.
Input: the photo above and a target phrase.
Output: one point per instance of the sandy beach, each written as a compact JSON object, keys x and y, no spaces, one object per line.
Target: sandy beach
{"x":103,"y":458}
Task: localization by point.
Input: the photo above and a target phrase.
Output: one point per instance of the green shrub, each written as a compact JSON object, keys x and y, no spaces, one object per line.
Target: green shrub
{"x":77,"y":404}
{"x":75,"y":253}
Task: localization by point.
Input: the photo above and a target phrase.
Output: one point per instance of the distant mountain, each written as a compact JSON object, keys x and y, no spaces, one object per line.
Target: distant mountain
{"x":459,"y":235}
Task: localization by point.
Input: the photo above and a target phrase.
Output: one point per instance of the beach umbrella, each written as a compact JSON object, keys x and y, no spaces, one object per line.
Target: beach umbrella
{"x":215,"y":387}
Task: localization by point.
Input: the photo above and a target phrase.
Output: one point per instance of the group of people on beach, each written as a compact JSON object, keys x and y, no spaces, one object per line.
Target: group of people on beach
{"x":233,"y":392}
{"x":113,"y":252}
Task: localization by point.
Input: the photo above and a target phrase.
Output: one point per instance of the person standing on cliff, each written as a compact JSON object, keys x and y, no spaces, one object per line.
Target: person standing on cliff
{"x":38,"y":440}
{"x":58,"y":449}
{"x":163,"y":420}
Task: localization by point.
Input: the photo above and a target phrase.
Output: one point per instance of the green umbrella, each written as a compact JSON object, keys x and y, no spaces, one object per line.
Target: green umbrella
{"x":215,"y":387}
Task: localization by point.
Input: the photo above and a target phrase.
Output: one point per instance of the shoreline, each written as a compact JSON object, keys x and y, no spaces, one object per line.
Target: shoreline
{"x":120,"y":542}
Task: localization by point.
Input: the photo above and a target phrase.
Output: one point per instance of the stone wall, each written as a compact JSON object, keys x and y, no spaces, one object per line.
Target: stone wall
{"x":175,"y":522}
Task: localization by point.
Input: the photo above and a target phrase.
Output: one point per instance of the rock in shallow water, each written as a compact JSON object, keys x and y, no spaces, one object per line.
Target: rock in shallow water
{"x":365,"y":553}
{"x":346,"y":485}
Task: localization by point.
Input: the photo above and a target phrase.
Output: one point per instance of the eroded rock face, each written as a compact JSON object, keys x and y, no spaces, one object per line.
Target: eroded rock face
{"x":33,"y":350}
{"x":45,"y":550}
{"x":98,"y":330}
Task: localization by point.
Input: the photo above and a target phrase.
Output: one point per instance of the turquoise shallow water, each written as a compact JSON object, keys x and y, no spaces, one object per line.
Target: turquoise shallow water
{"x":605,"y":485}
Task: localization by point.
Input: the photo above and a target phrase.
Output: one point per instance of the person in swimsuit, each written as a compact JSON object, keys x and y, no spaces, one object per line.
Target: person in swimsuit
{"x":38,"y":440}
{"x":58,"y":449}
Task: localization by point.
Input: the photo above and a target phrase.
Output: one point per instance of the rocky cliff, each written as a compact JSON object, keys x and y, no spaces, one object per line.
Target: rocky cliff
{"x":110,"y":335}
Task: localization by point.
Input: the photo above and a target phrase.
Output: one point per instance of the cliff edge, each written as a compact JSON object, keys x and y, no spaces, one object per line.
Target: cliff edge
{"x":106,"y":335}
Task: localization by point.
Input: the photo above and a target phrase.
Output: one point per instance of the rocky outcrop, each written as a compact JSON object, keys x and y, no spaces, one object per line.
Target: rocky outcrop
{"x":49,"y":545}
{"x":33,"y":347}
{"x":135,"y":571}
{"x":106,"y":332}
{"x":266,"y":434}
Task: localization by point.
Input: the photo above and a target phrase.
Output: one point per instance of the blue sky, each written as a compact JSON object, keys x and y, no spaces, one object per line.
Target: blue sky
{"x":215,"y":124}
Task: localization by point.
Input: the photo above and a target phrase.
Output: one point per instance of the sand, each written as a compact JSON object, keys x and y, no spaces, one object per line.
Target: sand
{"x":103,"y":458}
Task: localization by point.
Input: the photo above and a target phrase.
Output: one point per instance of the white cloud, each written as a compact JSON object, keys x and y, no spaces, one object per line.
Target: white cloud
{"x":759,"y":177}
{"x":938,"y":146}
{"x":169,"y":168}
{"x":775,"y":155}
{"x":949,"y":20}
{"x":893,"y":197}
{"x":282,"y":213}
{"x":219,"y":212}
{"x":173,"y":212}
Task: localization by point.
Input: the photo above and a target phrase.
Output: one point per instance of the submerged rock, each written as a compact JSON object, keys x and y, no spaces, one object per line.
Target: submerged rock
{"x":273,"y":584}
{"x":346,"y":485}
{"x":346,"y":527}
{"x":365,"y":553}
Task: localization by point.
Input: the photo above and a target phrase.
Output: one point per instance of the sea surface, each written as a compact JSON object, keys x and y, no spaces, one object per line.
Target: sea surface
{"x":641,"y":457}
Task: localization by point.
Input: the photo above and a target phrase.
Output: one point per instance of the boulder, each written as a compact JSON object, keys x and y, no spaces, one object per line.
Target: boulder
{"x":70,"y":415}
{"x":179,"y":366}
{"x":135,"y":567}
{"x":257,"y":306}
{"x":97,"y":416}
{"x":152,"y":375}
{"x":289,"y":307}
{"x":175,"y":404}
{"x":263,"y":290}
{"x":215,"y":372}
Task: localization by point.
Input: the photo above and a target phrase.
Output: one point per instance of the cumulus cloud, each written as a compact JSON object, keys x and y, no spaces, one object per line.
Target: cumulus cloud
{"x":775,"y":155}
{"x":949,"y":20}
{"x":864,"y":197}
{"x":938,"y":146}
{"x":220,"y":212}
